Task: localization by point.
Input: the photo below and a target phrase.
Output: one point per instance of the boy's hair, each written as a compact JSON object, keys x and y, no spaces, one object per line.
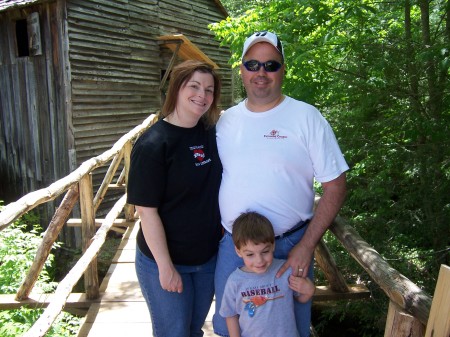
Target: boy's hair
{"x":254,"y":227}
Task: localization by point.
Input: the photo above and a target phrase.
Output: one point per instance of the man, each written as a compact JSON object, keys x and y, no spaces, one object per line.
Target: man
{"x":272,"y":147}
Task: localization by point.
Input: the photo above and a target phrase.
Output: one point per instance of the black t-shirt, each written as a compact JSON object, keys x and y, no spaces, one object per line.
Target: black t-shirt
{"x":178,"y":171}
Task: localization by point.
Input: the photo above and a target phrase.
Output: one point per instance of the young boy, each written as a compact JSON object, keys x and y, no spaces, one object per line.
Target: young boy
{"x":256,"y":303}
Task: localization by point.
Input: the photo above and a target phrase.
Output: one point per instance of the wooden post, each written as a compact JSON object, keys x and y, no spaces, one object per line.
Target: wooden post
{"x":107,"y":179}
{"x":129,"y":209}
{"x":91,"y":283}
{"x":439,"y":321}
{"x":401,"y":324}
{"x":43,"y":324}
{"x":51,"y":234}
{"x":326,"y":262}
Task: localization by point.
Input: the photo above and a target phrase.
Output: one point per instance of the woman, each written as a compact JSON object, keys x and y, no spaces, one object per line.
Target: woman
{"x":174,"y":181}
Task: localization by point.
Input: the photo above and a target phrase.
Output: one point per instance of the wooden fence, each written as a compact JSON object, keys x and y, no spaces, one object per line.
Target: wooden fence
{"x":409,"y":308}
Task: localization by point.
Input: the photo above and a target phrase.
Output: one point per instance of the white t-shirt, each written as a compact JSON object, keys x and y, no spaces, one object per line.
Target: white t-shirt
{"x":270,"y":160}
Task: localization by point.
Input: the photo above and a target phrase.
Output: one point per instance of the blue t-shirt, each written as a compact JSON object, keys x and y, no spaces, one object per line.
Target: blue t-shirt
{"x":264,"y":303}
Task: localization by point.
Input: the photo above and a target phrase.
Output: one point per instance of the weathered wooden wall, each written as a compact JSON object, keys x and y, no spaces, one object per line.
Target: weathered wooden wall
{"x":116,"y":63}
{"x":32,"y":127}
{"x":192,"y":18}
{"x":115,"y":70}
{"x":97,"y":78}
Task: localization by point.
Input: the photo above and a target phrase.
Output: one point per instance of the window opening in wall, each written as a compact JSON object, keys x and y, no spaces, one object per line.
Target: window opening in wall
{"x":28,"y":36}
{"x":22,"y":38}
{"x":163,"y":72}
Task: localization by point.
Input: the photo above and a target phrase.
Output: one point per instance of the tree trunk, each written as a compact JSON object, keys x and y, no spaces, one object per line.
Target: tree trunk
{"x":434,"y":102}
{"x":411,"y":68}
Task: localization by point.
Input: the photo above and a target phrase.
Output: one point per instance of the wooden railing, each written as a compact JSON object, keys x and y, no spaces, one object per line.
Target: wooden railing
{"x":405,"y":297}
{"x":78,"y":185}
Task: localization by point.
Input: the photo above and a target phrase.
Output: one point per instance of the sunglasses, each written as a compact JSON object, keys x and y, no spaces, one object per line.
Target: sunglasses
{"x":269,"y":66}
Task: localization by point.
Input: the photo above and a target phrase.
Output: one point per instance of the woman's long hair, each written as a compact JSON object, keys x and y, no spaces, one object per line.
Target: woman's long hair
{"x":179,"y":77}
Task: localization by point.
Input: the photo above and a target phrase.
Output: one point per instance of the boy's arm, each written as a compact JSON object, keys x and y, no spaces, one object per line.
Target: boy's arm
{"x":303,"y":286}
{"x":233,"y":326}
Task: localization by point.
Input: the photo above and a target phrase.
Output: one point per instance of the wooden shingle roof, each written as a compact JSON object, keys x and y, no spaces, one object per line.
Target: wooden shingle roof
{"x":187,"y":50}
{"x":14,"y":4}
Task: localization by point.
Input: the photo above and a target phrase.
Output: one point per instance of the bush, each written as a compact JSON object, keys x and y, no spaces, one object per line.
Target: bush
{"x":18,"y":246}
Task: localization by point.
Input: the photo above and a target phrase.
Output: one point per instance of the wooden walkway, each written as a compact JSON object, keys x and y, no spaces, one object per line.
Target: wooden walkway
{"x":122,"y":310}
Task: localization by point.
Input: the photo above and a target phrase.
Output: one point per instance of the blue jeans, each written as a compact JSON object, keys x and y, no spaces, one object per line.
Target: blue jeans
{"x":174,"y":314}
{"x":228,"y":261}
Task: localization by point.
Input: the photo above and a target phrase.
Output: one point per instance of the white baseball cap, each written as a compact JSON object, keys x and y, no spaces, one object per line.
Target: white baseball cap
{"x":263,"y":36}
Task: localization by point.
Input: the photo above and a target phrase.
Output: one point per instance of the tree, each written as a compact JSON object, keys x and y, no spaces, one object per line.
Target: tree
{"x":379,"y":72}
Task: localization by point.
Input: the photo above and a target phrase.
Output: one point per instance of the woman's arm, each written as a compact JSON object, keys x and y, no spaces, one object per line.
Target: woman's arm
{"x":155,"y":238}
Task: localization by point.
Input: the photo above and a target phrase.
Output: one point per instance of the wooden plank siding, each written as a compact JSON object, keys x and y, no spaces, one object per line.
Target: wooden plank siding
{"x":30,"y":126}
{"x":117,"y":65}
{"x":192,"y":19}
{"x":114,"y":71}
{"x":99,"y":76}
{"x":115,"y":74}
{"x":116,"y":62}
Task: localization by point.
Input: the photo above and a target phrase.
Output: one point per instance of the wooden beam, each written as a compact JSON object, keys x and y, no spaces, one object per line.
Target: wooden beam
{"x":64,"y":288}
{"x":355,"y":292}
{"x":187,"y":50}
{"x":401,"y":324}
{"x":79,"y":300}
{"x":326,"y":262}
{"x":107,"y":179}
{"x":51,"y":234}
{"x":129,"y":210}
{"x":87,"y":207}
{"x":439,"y":322}
{"x":98,"y":222}
{"x":171,"y":63}
{"x":75,"y":300}
{"x":397,"y":287}
{"x":120,"y":187}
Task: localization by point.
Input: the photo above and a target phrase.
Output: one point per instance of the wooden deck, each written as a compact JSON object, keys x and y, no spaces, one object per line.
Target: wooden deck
{"x":122,"y":310}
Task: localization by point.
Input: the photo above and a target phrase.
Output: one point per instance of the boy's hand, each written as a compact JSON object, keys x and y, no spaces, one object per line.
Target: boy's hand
{"x":302,"y":285}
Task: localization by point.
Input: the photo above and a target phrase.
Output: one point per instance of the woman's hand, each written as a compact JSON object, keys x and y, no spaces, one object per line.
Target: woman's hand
{"x":170,"y":279}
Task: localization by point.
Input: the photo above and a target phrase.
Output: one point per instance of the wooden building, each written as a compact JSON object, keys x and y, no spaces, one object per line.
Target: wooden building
{"x":75,"y":75}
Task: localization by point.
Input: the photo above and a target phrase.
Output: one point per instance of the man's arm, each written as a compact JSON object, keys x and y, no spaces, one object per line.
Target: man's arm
{"x":330,"y":203}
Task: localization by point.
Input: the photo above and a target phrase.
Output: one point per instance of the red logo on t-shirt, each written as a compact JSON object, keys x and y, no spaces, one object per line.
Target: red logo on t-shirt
{"x":274,"y":134}
{"x":199,"y":154}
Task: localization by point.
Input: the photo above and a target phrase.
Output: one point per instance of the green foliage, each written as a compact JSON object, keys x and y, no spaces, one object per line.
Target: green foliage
{"x":18,"y":246}
{"x":237,"y":8}
{"x":379,"y":72}
{"x":16,"y":322}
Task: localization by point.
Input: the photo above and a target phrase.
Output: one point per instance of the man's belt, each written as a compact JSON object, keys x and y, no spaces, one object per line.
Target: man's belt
{"x":297,"y":227}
